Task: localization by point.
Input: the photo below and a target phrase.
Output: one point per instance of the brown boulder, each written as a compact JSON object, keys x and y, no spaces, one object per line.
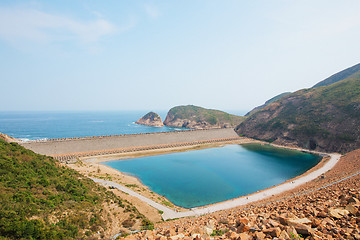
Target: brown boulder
{"x":284,"y":236}
{"x":273,"y":232}
{"x":322,"y":214}
{"x":353,"y":200}
{"x":338,"y":212}
{"x":353,"y":210}
{"x":259,"y":236}
{"x":242,"y":220}
{"x":244,"y":236}
{"x":300,"y":225}
{"x":231,"y":235}
{"x":242,"y":228}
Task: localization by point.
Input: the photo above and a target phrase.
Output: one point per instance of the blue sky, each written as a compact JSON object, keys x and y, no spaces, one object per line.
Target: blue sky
{"x":153,"y":55}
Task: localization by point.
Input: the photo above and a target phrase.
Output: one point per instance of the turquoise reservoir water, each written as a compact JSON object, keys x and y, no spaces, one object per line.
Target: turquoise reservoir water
{"x":202,"y":177}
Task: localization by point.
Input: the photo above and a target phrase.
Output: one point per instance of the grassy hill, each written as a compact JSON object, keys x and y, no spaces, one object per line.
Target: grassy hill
{"x":41,"y":199}
{"x":197,"y":117}
{"x":324,"y":118}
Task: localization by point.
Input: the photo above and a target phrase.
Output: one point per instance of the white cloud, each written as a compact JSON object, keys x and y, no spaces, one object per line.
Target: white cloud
{"x":152,"y":11}
{"x":31,"y":24}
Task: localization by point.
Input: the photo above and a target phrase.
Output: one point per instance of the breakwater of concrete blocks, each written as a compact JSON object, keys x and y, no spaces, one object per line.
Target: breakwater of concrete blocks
{"x":72,"y":148}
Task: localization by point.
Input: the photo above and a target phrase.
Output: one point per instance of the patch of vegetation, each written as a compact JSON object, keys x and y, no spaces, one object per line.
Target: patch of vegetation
{"x":199,"y":114}
{"x":219,"y":232}
{"x":147,"y":225}
{"x":167,"y":203}
{"x":42,"y":200}
{"x":131,"y":185}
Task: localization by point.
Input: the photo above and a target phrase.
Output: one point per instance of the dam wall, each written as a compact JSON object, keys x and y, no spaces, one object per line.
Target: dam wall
{"x":69,"y":148}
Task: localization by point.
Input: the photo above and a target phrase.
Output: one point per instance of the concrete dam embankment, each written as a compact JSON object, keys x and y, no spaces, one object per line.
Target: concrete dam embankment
{"x":68,"y":148}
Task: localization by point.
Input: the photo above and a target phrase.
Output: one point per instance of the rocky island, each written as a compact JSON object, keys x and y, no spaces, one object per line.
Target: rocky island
{"x":195,"y":117}
{"x":150,"y":119}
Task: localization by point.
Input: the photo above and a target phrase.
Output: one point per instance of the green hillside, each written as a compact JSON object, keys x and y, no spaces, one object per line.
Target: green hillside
{"x":193,"y":116}
{"x":324,"y":118}
{"x":42,"y":200}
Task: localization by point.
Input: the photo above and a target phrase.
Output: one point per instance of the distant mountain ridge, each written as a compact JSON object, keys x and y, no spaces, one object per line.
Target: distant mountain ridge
{"x":324,"y":118}
{"x":195,"y":117}
{"x":330,"y":80}
{"x":271,"y":100}
{"x":339,"y":76}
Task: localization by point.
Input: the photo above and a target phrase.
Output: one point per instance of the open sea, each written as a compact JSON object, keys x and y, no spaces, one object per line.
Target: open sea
{"x":46,"y":125}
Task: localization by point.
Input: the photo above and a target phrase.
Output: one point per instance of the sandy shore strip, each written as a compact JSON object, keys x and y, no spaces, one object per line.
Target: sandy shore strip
{"x":168,"y":213}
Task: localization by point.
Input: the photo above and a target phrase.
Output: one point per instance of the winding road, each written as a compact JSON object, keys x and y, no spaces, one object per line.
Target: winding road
{"x":171,"y":214}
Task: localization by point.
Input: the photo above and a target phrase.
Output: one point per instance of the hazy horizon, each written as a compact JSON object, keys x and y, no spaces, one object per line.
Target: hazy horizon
{"x":150,"y":55}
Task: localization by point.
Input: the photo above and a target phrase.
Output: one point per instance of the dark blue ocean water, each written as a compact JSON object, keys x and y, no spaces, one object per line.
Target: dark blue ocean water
{"x":202,"y":177}
{"x":42,"y":125}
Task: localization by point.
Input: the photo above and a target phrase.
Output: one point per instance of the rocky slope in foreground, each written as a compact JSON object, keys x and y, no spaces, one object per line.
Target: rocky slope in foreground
{"x":200,"y":118}
{"x":150,"y":119}
{"x":324,"y":118}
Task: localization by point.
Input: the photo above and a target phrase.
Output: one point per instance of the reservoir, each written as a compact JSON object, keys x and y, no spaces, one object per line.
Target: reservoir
{"x":197,"y":178}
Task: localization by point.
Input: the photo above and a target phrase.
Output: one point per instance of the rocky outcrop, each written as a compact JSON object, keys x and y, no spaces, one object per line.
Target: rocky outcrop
{"x":7,"y":138}
{"x":200,"y":118}
{"x":325,"y":118}
{"x":151,"y":119}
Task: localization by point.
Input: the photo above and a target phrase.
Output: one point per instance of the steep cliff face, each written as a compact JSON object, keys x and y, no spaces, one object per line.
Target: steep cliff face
{"x":200,"y":118}
{"x":325,"y":118}
{"x":150,"y":119}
